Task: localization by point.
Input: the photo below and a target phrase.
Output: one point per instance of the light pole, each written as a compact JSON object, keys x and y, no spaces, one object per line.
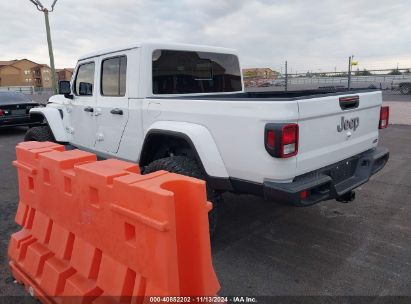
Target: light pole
{"x":46,"y":12}
{"x":286,"y":76}
{"x":350,"y":59}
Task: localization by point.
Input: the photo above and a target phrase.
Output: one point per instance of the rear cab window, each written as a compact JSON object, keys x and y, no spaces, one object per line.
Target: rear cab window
{"x":190,"y":72}
{"x":84,"y":81}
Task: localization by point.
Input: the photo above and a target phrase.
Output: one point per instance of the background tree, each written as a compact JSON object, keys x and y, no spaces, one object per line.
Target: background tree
{"x":395,"y":72}
{"x":363,"y":73}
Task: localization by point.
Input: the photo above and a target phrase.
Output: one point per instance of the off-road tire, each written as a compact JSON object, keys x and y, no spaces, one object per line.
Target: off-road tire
{"x":42,"y":133}
{"x":186,"y":166}
{"x":405,"y":89}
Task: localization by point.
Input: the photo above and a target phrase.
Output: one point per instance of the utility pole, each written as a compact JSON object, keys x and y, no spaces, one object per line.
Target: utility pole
{"x":46,"y":12}
{"x":349,"y":71}
{"x":286,"y":76}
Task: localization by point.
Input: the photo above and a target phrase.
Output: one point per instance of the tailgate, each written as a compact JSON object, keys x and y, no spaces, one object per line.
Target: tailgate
{"x":334,"y":128}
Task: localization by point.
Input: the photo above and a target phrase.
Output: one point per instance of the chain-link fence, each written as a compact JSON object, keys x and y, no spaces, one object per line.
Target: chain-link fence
{"x":303,"y":82}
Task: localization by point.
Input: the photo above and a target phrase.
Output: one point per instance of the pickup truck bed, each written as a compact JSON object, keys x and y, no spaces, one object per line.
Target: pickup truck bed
{"x":329,"y":170}
{"x":276,"y":95}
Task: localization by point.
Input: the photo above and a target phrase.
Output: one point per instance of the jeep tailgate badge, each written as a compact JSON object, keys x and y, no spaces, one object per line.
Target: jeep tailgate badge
{"x":348,"y":124}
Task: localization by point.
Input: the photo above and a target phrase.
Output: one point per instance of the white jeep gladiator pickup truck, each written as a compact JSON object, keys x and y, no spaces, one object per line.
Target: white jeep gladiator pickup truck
{"x":183,"y":108}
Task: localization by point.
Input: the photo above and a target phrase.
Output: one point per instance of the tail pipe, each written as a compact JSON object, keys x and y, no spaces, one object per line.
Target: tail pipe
{"x":347,"y":197}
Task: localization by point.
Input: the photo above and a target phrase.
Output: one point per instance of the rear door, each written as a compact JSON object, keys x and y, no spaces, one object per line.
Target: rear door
{"x":334,"y":128}
{"x":112,"y":106}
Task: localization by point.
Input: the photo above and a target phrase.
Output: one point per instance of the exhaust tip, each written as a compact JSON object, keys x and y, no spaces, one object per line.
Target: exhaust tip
{"x":347,"y":197}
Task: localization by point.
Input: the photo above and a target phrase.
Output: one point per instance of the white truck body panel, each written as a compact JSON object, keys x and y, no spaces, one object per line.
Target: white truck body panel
{"x":237,"y":130}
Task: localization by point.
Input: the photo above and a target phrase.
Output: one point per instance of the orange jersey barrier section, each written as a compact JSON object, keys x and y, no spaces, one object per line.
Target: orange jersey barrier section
{"x":100,"y":232}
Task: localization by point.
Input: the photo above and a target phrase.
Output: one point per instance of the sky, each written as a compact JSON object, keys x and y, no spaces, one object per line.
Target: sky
{"x":311,"y":35}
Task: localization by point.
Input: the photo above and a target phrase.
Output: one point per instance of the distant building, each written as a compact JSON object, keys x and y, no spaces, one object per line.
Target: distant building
{"x":258,"y":76}
{"x":266,"y":73}
{"x":24,"y":72}
{"x":64,"y":74}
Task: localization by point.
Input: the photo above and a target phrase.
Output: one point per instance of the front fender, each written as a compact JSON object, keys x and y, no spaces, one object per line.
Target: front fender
{"x":54,"y":120}
{"x":202,"y":141}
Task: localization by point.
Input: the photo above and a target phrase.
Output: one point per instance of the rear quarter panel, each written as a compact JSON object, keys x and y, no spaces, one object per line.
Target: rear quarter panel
{"x":237,"y":128}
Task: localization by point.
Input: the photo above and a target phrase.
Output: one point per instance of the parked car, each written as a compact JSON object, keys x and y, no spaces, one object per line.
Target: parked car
{"x":15,"y":108}
{"x":182,"y":108}
{"x":279,"y":83}
{"x":402,"y":85}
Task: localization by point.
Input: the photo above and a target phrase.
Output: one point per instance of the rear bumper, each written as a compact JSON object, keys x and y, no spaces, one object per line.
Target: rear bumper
{"x":330,"y":182}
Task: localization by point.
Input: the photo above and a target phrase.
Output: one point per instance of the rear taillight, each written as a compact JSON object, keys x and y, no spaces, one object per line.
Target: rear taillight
{"x":304,"y":194}
{"x":384,"y":117}
{"x":281,"y":140}
{"x":271,"y":139}
{"x":1,"y":112}
{"x":289,"y":142}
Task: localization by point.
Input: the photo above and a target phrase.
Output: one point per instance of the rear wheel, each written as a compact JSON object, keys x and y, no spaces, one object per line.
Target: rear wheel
{"x":42,"y":133}
{"x":187,"y":166}
{"x":405,"y":89}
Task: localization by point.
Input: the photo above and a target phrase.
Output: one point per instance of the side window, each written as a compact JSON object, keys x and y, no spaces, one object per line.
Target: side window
{"x":84,"y":82}
{"x":113,"y":76}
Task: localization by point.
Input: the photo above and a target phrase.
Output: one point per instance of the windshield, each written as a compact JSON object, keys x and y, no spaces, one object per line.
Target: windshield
{"x":6,"y":97}
{"x":184,"y":72}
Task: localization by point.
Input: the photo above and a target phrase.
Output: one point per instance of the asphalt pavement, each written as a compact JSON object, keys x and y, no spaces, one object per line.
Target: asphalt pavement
{"x":395,"y":96}
{"x":264,"y":249}
{"x":331,"y":249}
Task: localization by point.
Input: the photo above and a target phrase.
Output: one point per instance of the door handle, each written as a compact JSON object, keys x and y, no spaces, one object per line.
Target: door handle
{"x":117,"y":111}
{"x":88,"y":109}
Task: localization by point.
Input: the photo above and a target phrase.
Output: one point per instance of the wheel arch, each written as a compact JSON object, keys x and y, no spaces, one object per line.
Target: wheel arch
{"x":195,"y":137}
{"x":53,"y":118}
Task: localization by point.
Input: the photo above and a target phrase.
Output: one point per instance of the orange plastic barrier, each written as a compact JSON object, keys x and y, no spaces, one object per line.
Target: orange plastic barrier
{"x":98,"y":231}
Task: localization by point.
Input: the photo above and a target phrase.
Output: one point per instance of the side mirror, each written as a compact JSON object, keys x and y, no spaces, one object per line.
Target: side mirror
{"x":85,"y":88}
{"x":64,"y":87}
